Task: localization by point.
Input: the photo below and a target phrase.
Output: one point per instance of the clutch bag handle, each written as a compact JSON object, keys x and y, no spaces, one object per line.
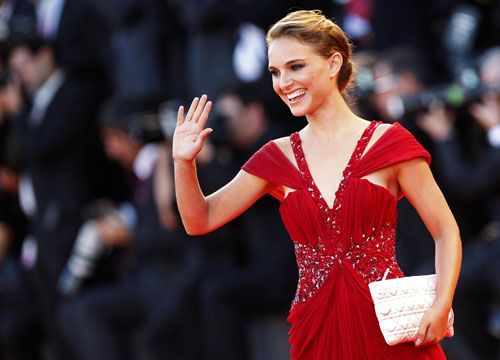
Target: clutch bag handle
{"x":386,"y":273}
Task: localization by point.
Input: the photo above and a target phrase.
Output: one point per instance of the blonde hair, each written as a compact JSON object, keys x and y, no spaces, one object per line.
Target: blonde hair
{"x":313,"y":28}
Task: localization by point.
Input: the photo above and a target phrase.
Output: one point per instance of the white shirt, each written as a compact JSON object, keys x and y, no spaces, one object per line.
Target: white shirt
{"x":41,"y":100}
{"x":44,"y":95}
{"x":145,"y":161}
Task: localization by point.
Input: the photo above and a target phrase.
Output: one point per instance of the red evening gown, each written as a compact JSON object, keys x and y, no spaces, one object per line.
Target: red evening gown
{"x":340,"y":250}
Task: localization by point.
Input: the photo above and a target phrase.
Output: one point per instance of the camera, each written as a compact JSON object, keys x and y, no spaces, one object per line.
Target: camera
{"x":452,"y":95}
{"x":88,"y":248}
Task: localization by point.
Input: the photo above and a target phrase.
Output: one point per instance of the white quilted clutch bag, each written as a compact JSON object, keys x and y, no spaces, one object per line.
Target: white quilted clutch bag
{"x":401,"y":303}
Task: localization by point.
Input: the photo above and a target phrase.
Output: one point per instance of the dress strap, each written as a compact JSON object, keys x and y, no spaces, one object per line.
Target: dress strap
{"x":363,"y":141}
{"x":299,"y":154}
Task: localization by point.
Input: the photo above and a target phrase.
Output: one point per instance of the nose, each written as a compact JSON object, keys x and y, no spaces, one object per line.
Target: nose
{"x":285,"y":81}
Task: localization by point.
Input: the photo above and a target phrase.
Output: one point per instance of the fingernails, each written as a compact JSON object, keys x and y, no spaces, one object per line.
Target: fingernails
{"x":418,"y":342}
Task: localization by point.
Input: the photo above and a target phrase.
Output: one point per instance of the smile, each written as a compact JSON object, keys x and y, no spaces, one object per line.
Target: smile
{"x":296,"y":95}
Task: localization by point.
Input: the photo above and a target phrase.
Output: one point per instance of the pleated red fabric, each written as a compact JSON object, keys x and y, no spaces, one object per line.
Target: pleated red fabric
{"x":340,"y":250}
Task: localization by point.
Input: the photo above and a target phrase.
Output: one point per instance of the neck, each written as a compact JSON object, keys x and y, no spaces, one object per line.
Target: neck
{"x":47,"y":75}
{"x":332,"y":120}
{"x":51,"y":71}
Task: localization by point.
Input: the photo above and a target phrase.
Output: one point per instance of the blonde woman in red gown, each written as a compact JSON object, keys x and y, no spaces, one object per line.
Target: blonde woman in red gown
{"x":338,"y":181}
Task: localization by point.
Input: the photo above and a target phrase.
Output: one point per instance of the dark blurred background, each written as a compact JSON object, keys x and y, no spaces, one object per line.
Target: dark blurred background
{"x":94,"y":262}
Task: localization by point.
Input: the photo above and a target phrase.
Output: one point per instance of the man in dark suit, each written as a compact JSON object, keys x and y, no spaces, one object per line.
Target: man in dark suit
{"x":58,"y":139}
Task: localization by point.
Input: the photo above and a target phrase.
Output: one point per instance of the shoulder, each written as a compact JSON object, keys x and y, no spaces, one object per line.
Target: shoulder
{"x":283,"y":144}
{"x":391,"y":132}
{"x":71,"y":92}
{"x":381,"y":130}
{"x":391,"y":144}
{"x":277,"y":152}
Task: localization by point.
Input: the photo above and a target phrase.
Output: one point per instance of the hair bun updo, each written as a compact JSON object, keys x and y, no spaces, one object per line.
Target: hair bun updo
{"x":313,"y":28}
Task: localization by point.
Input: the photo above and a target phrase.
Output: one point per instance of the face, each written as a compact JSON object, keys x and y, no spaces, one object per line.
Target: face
{"x":119,"y":147}
{"x":243,"y":122}
{"x":390,"y":88}
{"x":302,"y":77}
{"x":31,"y":69}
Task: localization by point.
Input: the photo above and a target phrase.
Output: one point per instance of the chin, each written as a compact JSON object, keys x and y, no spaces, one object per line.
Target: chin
{"x":298,"y":112}
{"x":302,"y":108}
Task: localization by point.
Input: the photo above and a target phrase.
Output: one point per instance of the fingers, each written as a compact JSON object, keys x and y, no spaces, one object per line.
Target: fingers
{"x":421,"y":335}
{"x":204,"y":115}
{"x":428,"y":336}
{"x":180,"y":115}
{"x":192,"y":108}
{"x":200,"y":140}
{"x":199,"y":108}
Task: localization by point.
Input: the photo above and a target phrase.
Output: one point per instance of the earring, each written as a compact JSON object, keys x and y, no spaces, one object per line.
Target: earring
{"x":332,"y":75}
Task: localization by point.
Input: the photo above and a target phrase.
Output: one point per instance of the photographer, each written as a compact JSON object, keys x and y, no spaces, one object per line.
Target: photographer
{"x":478,"y":291}
{"x":147,"y":313}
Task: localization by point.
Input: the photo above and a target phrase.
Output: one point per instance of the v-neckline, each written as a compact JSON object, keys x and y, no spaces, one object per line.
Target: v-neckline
{"x":358,"y":149}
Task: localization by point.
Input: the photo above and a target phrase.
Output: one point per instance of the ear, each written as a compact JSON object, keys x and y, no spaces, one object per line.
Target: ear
{"x":335,"y":62}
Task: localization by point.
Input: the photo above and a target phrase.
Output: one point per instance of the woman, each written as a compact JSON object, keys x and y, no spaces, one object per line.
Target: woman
{"x":338,"y":180}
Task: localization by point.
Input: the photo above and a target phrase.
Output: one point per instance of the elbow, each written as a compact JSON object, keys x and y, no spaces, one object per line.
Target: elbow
{"x":195,"y":230}
{"x":192,"y":232}
{"x":196,"y":224}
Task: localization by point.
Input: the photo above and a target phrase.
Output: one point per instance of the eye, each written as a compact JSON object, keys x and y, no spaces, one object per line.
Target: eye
{"x":274,"y":73}
{"x":296,"y":67}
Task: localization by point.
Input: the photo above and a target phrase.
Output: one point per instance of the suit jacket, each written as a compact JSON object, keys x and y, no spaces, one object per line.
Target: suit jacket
{"x":81,"y":41}
{"x":58,"y":154}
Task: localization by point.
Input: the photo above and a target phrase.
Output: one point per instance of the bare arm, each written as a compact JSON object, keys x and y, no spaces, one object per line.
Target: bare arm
{"x":202,"y":214}
{"x":419,"y":186}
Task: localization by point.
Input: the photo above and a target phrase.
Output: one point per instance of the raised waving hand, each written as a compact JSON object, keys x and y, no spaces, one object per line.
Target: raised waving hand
{"x":190,"y":134}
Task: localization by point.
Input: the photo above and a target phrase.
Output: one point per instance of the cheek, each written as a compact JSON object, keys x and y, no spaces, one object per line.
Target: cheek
{"x":276,"y":86}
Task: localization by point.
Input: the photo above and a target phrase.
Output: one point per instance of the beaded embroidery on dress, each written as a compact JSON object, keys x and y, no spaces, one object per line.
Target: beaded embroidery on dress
{"x":340,"y":250}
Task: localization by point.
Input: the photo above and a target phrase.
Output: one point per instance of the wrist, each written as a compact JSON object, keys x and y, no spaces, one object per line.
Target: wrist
{"x":443,"y":305}
{"x":178,"y":162}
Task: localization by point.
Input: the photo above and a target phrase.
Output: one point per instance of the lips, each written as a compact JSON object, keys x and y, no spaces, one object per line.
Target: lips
{"x":296,"y":95}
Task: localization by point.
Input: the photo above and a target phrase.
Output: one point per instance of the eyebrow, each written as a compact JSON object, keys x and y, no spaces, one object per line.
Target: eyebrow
{"x":287,"y":63}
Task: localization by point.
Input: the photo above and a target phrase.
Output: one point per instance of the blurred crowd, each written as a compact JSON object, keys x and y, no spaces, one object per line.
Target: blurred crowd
{"x":94,"y":261}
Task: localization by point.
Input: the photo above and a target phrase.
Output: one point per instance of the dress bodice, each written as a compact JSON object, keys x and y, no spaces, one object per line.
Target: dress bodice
{"x":370,"y":250}
{"x":340,"y":250}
